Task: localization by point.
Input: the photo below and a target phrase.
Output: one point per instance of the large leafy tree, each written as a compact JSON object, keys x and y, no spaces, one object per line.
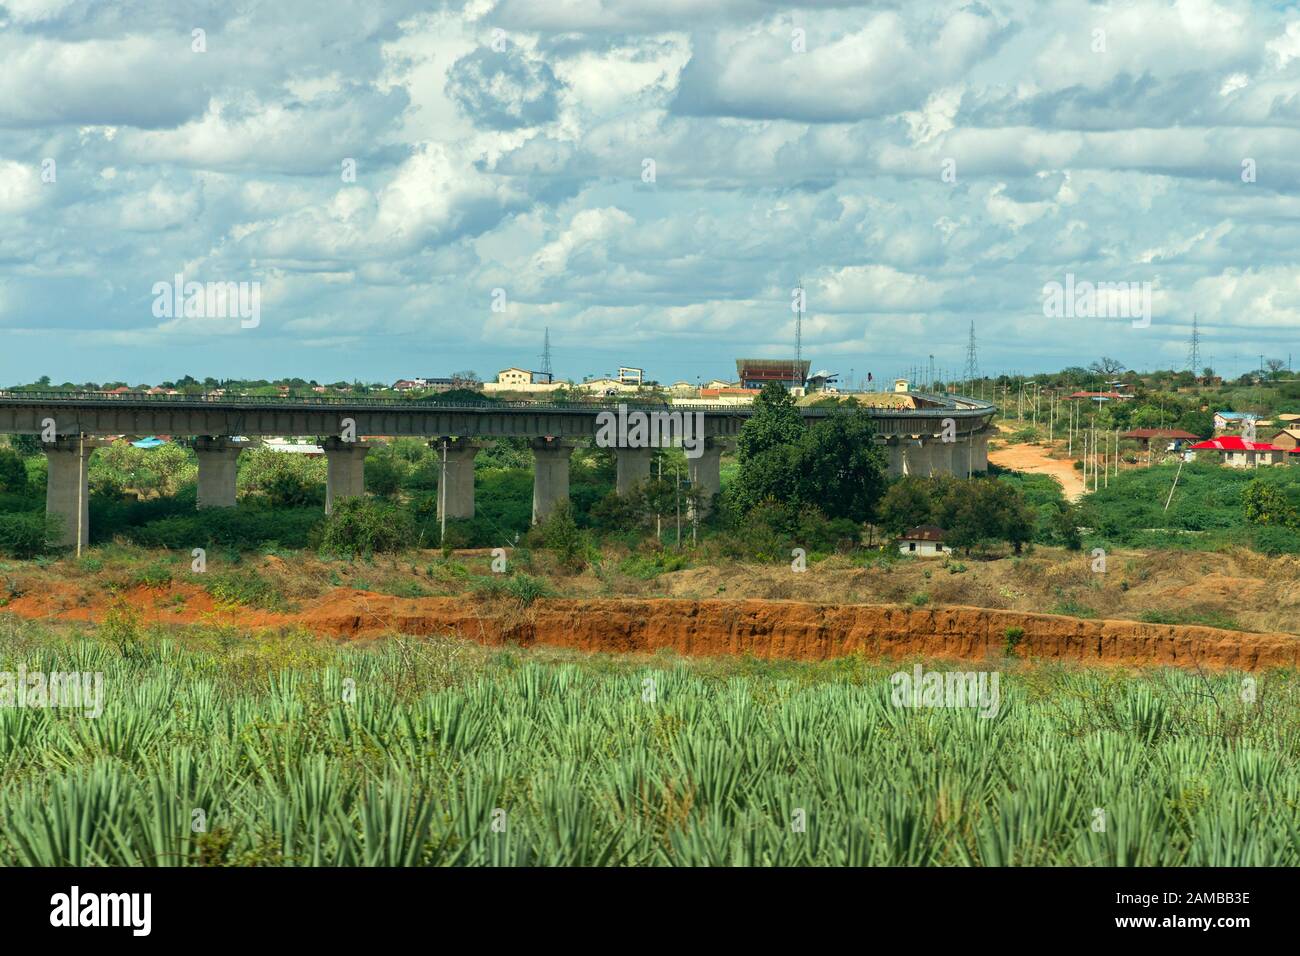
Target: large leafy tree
{"x":833,"y":464}
{"x":841,"y":469}
{"x":775,"y":422}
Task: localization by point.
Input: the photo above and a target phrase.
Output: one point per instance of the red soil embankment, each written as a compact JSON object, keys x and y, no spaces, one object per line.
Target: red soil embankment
{"x":787,"y":629}
{"x":764,"y":628}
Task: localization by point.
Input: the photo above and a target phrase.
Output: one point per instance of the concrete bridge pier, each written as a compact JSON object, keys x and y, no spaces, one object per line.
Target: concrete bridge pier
{"x":456,"y":497}
{"x":550,"y":474}
{"x":345,"y":474}
{"x":916,"y":457}
{"x":705,"y":472}
{"x":633,"y":467}
{"x":941,"y":457}
{"x":67,"y":487}
{"x":218,"y":468}
{"x":980,"y":451}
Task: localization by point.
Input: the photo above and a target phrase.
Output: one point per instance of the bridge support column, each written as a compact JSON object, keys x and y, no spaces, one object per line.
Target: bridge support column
{"x":345,"y":472}
{"x":941,"y":456}
{"x":218,"y":468}
{"x":633,"y":467}
{"x":456,"y":497}
{"x":893,"y":449}
{"x":550,"y":474}
{"x":705,"y":471}
{"x":67,"y":491}
{"x":980,"y":452}
{"x":916,"y":458}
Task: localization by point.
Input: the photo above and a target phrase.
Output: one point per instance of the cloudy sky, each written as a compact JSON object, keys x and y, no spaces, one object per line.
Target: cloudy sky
{"x":647,"y":178}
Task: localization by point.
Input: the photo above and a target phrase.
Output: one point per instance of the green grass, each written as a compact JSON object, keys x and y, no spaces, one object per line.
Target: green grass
{"x":304,"y":752}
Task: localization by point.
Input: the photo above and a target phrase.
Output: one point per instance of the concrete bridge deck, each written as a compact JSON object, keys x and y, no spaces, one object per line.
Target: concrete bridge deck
{"x":945,"y":435}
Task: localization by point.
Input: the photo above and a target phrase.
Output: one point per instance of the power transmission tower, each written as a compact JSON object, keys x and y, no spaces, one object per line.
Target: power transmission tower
{"x":972,"y":370}
{"x":1194,"y":350}
{"x":546,"y":355}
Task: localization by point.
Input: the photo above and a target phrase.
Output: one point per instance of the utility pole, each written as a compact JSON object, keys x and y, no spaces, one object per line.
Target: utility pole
{"x":81,"y":484}
{"x":677,"y":499}
{"x":659,"y":527}
{"x":442,"y":498}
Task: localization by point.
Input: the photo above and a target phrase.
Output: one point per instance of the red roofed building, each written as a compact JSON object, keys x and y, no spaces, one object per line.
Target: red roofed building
{"x":1237,"y":452}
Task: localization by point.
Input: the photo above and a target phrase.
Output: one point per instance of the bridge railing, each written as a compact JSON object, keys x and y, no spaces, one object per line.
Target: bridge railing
{"x":974,"y":407}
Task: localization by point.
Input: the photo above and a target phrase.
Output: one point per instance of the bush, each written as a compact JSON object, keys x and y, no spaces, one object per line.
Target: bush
{"x":284,"y":479}
{"x":1273,"y":540}
{"x":244,"y":527}
{"x":559,"y":533}
{"x":13,"y":473}
{"x":384,"y":474}
{"x":27,"y":534}
{"x":366,"y":526}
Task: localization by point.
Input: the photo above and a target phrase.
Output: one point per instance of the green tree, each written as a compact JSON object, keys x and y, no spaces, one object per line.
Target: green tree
{"x":833,"y":465}
{"x":1265,"y":503}
{"x":775,"y":422}
{"x":906,"y":504}
{"x":841,"y":469}
{"x":1065,"y":525}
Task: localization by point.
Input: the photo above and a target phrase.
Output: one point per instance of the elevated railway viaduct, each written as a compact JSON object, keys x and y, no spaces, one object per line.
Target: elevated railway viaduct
{"x":940,"y":435}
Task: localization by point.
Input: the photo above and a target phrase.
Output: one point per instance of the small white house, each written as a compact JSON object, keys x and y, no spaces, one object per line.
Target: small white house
{"x":924,"y":541}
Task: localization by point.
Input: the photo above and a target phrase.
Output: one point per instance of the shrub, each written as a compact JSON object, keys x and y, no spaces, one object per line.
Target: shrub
{"x":384,"y":474}
{"x":285,"y":480}
{"x":245,"y":527}
{"x":366,"y":526}
{"x":244,"y":586}
{"x":13,"y":473}
{"x":559,"y":533}
{"x":27,"y":534}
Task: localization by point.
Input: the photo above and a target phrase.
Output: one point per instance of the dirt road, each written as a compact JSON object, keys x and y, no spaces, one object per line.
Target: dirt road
{"x":1033,"y":460}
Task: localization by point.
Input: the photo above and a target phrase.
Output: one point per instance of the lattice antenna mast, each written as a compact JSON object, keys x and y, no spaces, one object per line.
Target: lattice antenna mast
{"x":1194,"y":350}
{"x":972,"y":371}
{"x":798,"y":338}
{"x":546,"y":355}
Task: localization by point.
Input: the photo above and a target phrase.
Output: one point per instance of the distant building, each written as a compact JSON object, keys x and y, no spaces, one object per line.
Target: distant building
{"x":822,"y":381}
{"x":514,"y":376}
{"x":1231,"y":421}
{"x":1144,"y":436}
{"x":1098,"y":396}
{"x":757,"y":372}
{"x":605,"y":386}
{"x":293,"y":448}
{"x":924,"y":541}
{"x":720,"y":383}
{"x":902,"y":385}
{"x":1288,"y":438}
{"x":424,"y":384}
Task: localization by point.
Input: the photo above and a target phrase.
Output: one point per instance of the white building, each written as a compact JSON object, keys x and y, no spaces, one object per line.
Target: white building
{"x":924,"y":541}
